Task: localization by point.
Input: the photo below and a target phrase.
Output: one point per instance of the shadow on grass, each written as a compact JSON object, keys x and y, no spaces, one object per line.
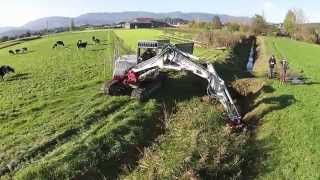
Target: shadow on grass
{"x":278,"y":103}
{"x":268,"y":89}
{"x":259,"y":150}
{"x":94,"y":50}
{"x":180,"y":87}
{"x":311,"y":83}
{"x":125,"y":147}
{"x":20,"y":76}
{"x":257,"y":155}
{"x":27,"y":52}
{"x":40,"y":150}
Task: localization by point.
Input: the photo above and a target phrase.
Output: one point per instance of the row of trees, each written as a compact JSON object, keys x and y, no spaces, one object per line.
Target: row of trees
{"x":294,"y":25}
{"x":297,"y":27}
{"x":216,"y":24}
{"x":24,"y":35}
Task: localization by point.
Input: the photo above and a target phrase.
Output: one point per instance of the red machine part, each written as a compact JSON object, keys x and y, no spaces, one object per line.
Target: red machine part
{"x":132,"y":77}
{"x":129,"y":78}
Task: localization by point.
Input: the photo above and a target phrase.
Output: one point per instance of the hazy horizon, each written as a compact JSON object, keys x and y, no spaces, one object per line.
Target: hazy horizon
{"x":17,"y":12}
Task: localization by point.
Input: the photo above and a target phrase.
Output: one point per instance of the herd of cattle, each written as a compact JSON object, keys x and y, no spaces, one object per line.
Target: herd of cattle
{"x":18,"y":51}
{"x":80,"y":45}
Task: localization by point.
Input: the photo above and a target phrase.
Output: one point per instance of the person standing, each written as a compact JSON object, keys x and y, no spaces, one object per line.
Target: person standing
{"x":284,"y":67}
{"x":272,"y":64}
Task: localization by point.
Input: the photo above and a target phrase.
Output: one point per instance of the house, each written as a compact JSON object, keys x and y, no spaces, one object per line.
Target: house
{"x":145,"y":23}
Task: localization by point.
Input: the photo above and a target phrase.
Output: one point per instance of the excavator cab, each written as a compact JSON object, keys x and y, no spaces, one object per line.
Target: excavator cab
{"x":148,"y":49}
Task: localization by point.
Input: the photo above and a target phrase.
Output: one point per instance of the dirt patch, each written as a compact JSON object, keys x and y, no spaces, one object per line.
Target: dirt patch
{"x":248,"y":86}
{"x":245,"y":91}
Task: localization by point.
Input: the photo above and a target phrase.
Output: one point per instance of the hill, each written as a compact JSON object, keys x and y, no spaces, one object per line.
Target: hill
{"x":111,"y":18}
{"x":4,"y":29}
{"x":51,"y":22}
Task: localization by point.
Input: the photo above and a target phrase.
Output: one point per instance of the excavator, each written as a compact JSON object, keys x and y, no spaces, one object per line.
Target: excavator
{"x":142,"y":74}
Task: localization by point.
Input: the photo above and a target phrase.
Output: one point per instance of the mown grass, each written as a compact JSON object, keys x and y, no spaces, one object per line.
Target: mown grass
{"x":131,"y":37}
{"x":287,"y":142}
{"x":55,"y":124}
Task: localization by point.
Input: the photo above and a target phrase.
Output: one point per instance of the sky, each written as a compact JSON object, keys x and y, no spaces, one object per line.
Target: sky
{"x":19,"y":12}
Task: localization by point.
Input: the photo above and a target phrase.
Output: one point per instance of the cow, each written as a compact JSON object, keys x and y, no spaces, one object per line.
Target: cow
{"x":12,"y":52}
{"x":81,"y":44}
{"x":24,"y":50}
{"x":60,"y":43}
{"x":97,"y":41}
{"x":18,"y":51}
{"x":5,"y":70}
{"x":55,"y":46}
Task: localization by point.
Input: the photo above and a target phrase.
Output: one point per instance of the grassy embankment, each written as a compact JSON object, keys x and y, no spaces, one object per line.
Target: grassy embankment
{"x":286,"y":143}
{"x":54,"y":123}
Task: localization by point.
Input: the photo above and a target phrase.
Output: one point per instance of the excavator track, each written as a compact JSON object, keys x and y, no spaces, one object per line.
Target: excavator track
{"x":144,"y":92}
{"x":115,"y":88}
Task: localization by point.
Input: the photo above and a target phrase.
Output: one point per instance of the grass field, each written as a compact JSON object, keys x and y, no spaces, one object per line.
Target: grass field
{"x":287,"y":143}
{"x":131,"y":37}
{"x":54,"y":121}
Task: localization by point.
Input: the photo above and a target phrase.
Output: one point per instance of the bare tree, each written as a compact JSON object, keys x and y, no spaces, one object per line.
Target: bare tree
{"x":259,"y":24}
{"x":216,"y":23}
{"x":290,"y":22}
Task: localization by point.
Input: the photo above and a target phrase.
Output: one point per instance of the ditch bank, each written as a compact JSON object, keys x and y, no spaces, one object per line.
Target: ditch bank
{"x":192,"y":143}
{"x":196,"y":144}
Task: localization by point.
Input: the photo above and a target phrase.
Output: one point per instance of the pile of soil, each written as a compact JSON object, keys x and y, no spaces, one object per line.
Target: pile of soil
{"x":246,"y":91}
{"x":248,"y":86}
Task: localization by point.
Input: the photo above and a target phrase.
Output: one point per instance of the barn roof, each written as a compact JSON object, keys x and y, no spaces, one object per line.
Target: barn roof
{"x":143,"y":20}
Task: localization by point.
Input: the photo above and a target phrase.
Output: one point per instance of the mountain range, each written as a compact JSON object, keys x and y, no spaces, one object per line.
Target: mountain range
{"x":111,"y":18}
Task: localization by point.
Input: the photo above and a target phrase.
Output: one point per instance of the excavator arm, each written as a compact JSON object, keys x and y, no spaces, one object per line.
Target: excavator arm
{"x":174,"y":59}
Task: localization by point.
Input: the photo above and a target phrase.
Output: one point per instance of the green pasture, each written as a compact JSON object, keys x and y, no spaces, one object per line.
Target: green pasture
{"x":287,"y":143}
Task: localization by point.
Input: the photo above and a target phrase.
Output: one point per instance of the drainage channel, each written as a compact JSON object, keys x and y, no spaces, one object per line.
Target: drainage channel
{"x":251,"y":60}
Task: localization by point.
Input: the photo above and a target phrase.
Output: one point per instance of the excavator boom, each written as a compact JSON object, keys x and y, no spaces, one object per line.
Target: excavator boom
{"x":172,"y":58}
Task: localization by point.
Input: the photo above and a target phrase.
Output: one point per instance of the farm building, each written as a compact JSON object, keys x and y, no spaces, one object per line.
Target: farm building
{"x":145,"y":23}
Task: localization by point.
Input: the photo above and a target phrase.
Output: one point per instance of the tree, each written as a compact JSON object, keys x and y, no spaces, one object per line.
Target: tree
{"x":259,"y":24}
{"x":28,"y":34}
{"x":193,"y":24}
{"x":290,"y":22}
{"x":4,"y":38}
{"x":232,"y":27}
{"x":216,"y":22}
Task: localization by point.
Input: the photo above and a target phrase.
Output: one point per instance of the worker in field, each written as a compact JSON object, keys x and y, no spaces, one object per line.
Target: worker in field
{"x":284,"y":67}
{"x":272,"y":64}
